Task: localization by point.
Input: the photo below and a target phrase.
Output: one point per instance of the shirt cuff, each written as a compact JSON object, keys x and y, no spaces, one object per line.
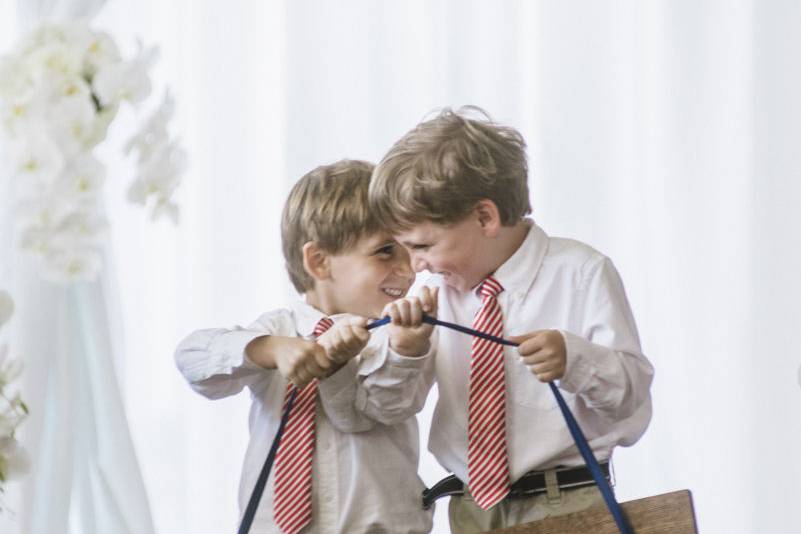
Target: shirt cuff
{"x":408,"y":362}
{"x":580,"y":368}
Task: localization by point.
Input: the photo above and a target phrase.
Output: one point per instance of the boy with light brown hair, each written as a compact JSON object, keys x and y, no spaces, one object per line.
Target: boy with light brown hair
{"x":454,"y":190}
{"x":347,"y":461}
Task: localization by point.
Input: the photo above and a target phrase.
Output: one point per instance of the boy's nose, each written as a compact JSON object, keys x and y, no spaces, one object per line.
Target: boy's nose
{"x":419,"y":264}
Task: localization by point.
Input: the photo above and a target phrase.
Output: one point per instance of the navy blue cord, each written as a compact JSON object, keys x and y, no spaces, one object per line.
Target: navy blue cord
{"x":383,"y":321}
{"x":572,"y":425}
{"x":592,"y":463}
{"x":258,"y":490}
{"x":453,"y":326}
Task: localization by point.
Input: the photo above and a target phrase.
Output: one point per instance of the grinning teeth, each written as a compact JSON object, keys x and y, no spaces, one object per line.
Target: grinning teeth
{"x":393,"y":292}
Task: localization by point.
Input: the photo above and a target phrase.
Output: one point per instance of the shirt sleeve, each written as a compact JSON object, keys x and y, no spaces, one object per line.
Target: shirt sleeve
{"x":380,"y":386}
{"x":213,"y":360}
{"x":394,"y":386}
{"x":338,"y":394}
{"x":605,"y":364}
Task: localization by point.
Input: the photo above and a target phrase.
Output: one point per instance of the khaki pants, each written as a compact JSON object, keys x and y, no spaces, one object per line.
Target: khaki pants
{"x":467,"y":518}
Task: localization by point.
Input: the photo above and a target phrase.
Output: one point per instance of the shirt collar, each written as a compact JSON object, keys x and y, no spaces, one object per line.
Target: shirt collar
{"x":307,"y":316}
{"x":519,"y":271}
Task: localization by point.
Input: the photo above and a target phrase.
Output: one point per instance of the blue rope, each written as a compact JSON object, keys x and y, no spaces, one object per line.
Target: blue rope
{"x":572,"y":425}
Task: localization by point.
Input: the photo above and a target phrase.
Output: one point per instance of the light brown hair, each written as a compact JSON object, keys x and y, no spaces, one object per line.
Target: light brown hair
{"x":439,"y":170}
{"x":328,"y":206}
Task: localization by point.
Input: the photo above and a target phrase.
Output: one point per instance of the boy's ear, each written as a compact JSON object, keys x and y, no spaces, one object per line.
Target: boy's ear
{"x":488,"y":217}
{"x":316,"y":262}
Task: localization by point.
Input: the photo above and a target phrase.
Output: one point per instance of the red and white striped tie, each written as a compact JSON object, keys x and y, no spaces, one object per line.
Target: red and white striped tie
{"x":487,"y":465}
{"x":293,"y":461}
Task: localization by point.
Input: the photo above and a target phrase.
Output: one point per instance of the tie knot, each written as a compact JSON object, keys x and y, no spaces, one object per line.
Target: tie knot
{"x":322,"y":325}
{"x":490,"y":287}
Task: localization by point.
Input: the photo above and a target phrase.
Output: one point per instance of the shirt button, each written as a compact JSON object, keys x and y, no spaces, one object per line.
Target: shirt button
{"x":328,"y":498}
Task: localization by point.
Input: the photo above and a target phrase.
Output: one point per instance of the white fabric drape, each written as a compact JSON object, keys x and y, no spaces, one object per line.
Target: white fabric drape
{"x":85,"y":477}
{"x":664,"y":133}
{"x":31,"y":13}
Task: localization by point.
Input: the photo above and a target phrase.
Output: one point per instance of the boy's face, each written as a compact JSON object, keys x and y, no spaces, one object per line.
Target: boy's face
{"x":370,"y":275}
{"x":454,"y":251}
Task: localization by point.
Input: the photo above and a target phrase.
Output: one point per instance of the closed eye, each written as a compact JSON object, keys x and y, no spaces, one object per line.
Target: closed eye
{"x":385,"y":250}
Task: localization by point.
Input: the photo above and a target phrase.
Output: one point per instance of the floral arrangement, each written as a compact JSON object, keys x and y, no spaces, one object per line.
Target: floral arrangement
{"x":13,"y":458}
{"x":60,"y":90}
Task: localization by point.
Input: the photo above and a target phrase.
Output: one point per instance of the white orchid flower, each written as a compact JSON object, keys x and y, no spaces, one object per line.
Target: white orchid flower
{"x":8,"y":424}
{"x":159,"y":177}
{"x":154,"y":131}
{"x":7,"y":445}
{"x":101,"y":52}
{"x":9,"y":371}
{"x":84,"y":227}
{"x":74,"y":33}
{"x":126,"y":80}
{"x":38,"y":159}
{"x":72,"y":38}
{"x":14,"y":463}
{"x":166,"y":207}
{"x":25,"y":113}
{"x":161,"y":162}
{"x":101,"y":124}
{"x":54,"y":60}
{"x":72,"y":264}
{"x":37,"y":239}
{"x":6,"y":308}
{"x":45,"y":210}
{"x":82,"y":179}
{"x":67,"y":237}
{"x":15,"y":78}
{"x":73,"y":124}
{"x":71,"y":88}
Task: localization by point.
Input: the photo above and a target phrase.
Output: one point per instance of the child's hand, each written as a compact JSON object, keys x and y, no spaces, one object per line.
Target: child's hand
{"x":544,"y":353}
{"x":298,"y":360}
{"x":408,"y":334}
{"x":345,"y":340}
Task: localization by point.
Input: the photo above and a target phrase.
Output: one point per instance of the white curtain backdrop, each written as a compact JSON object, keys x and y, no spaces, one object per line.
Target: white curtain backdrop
{"x":663,"y":132}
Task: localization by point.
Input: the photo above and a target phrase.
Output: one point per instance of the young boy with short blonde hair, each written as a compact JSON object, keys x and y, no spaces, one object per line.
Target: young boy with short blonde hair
{"x":347,"y":461}
{"x":454,"y":191}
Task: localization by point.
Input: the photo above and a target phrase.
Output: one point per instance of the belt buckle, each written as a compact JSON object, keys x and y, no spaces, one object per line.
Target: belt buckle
{"x":552,"y":487}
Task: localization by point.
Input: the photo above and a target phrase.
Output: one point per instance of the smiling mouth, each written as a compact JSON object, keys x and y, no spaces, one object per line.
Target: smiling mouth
{"x":393,"y":292}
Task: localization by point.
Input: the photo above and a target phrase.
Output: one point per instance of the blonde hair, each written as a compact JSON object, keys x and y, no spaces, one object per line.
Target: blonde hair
{"x":439,"y":171}
{"x":328,"y":206}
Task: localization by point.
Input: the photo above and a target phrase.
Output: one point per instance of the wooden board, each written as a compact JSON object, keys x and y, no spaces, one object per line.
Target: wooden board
{"x":670,"y":513}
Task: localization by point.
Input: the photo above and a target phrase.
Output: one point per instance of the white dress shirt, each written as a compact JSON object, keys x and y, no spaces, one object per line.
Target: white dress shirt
{"x":549,"y":283}
{"x":364,"y":474}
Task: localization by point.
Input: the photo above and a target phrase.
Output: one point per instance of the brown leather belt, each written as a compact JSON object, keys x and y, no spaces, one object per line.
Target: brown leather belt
{"x":529,"y":484}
